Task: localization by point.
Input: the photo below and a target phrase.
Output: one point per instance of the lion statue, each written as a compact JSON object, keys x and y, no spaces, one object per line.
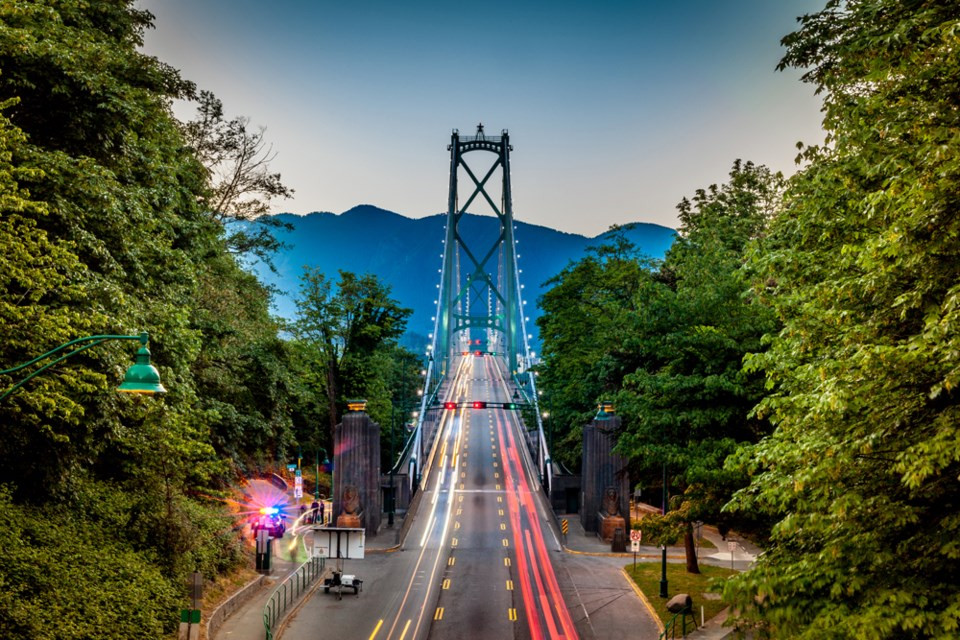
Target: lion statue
{"x":610,"y":506}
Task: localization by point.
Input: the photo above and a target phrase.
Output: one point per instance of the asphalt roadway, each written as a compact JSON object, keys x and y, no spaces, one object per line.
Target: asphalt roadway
{"x":482,"y":557}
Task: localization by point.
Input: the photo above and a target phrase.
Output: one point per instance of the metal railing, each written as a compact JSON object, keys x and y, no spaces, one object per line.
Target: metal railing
{"x":671,"y":626}
{"x":289,"y":591}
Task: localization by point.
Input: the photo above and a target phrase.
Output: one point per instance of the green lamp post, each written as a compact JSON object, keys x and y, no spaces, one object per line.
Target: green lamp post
{"x":142,"y":377}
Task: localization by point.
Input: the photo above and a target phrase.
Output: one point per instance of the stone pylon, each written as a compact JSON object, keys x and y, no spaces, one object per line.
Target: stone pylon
{"x":602,"y":469}
{"x":356,"y":470}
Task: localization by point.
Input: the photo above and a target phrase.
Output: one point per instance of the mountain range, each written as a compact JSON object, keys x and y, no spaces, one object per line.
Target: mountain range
{"x":405,"y":253}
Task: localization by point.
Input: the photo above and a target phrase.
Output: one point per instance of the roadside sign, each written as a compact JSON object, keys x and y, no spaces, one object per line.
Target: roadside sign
{"x":636,"y":535}
{"x":298,"y":486}
{"x":291,"y":467}
{"x":635,"y":546}
{"x":564,"y":526}
{"x":731,"y":546}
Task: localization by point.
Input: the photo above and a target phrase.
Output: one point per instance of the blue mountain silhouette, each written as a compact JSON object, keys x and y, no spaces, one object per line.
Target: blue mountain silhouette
{"x":405,"y":254}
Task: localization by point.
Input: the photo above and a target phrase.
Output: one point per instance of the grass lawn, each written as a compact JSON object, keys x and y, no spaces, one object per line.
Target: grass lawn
{"x":647,"y":577}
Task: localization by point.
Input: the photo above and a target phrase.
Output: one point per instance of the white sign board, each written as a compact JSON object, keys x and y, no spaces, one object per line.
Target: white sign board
{"x":635,"y":546}
{"x":731,"y":546}
{"x":298,"y":486}
{"x":334,"y":542}
{"x":636,"y":535}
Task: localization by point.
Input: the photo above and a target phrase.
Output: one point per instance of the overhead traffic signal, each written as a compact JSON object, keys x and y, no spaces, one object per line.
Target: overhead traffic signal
{"x":479,"y":404}
{"x":449,"y":405}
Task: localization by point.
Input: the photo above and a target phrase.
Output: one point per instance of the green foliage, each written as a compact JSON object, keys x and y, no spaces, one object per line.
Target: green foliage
{"x":348,"y":327}
{"x":102,"y":230}
{"x":586,"y":315}
{"x":862,"y":267}
{"x":668,"y":346}
{"x":63,"y":578}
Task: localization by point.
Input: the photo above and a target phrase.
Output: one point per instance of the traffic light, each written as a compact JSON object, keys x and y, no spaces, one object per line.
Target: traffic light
{"x":509,"y":405}
{"x":478,"y":353}
{"x":449,"y":405}
{"x":479,"y":404}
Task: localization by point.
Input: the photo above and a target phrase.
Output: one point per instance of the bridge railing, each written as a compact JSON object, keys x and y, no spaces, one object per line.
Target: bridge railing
{"x":289,"y":592}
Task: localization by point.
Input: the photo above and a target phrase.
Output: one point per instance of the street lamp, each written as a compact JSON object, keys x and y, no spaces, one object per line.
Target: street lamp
{"x":141,"y":377}
{"x":663,"y":512}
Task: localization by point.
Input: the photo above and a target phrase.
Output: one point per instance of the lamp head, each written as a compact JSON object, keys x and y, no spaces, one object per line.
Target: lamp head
{"x":142,"y":377}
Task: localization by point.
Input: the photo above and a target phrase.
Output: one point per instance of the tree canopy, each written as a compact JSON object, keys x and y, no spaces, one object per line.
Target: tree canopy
{"x":861,"y":266}
{"x":107,"y":227}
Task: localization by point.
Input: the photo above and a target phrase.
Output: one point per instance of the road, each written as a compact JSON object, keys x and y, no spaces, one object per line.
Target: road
{"x":480,"y":554}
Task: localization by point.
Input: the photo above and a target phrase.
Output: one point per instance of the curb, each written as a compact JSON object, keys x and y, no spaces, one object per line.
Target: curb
{"x":643,"y":599}
{"x":395,"y":547}
{"x":610,"y":554}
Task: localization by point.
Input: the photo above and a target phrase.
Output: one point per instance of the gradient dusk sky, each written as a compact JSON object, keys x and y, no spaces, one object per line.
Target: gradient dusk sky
{"x":616,"y":109}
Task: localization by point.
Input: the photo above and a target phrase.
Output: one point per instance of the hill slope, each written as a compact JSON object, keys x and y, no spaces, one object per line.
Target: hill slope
{"x":405,"y":253}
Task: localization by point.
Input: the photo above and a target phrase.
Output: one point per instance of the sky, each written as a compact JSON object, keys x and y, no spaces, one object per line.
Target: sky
{"x":616,"y":109}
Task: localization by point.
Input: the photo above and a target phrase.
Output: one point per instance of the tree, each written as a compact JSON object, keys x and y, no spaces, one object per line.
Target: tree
{"x":686,"y":405}
{"x":101,"y":231}
{"x":863,"y":267}
{"x":584,"y":322}
{"x":240,"y":185}
{"x":348,"y":326}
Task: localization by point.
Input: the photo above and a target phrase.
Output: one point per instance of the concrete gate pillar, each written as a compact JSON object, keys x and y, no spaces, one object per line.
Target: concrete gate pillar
{"x":356,"y":466}
{"x":602,"y":469}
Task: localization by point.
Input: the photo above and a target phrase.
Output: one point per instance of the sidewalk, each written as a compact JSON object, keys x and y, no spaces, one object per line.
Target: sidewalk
{"x":246,"y":623}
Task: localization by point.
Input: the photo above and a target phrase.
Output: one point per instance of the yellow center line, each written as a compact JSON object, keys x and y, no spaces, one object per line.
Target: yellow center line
{"x":405,"y":627}
{"x":375,"y":629}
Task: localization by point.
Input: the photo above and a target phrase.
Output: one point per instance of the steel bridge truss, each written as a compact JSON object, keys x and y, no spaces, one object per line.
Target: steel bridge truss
{"x":479,"y":288}
{"x":485,"y":298}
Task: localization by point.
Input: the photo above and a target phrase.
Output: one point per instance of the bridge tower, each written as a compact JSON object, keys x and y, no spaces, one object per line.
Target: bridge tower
{"x":479,"y":287}
{"x":479,"y":299}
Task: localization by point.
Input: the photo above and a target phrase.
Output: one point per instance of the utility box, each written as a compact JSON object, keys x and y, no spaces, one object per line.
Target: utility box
{"x":264,"y":551}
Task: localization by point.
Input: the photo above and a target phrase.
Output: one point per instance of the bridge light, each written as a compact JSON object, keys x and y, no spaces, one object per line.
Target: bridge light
{"x":449,"y":406}
{"x":479,"y":404}
{"x":478,"y":353}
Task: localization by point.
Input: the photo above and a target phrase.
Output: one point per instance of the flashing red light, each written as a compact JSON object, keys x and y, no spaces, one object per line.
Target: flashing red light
{"x":478,"y":353}
{"x":479,"y":404}
{"x":477,"y":341}
{"x":465,"y":353}
{"x":449,"y":405}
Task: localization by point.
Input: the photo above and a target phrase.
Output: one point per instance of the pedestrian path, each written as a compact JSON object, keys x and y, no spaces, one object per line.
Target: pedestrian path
{"x":246,"y":623}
